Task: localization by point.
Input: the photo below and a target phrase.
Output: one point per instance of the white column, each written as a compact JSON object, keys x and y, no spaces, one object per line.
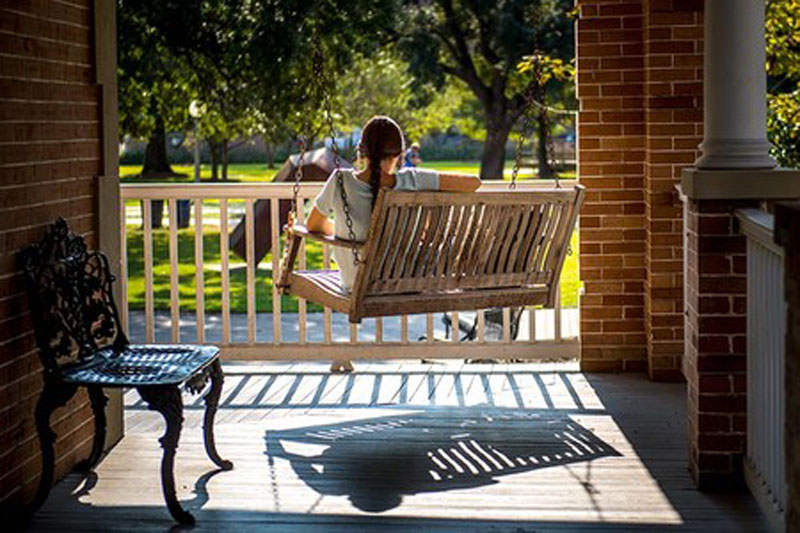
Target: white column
{"x":735,"y":87}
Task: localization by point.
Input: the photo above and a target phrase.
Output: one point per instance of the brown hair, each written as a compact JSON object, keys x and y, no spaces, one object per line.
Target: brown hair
{"x":381,"y":138}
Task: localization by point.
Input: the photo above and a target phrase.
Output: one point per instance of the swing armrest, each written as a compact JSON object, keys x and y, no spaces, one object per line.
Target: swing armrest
{"x":304,"y":233}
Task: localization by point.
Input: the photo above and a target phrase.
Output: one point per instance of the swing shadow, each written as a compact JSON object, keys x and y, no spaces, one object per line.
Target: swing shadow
{"x":377,"y":461}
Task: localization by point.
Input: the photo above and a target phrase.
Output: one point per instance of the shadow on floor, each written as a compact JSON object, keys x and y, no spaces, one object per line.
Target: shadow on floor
{"x":376,"y":461}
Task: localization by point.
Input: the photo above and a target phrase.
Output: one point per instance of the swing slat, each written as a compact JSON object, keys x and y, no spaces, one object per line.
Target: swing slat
{"x":432,"y":251}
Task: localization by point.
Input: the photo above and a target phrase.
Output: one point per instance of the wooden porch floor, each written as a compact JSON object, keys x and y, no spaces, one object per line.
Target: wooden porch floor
{"x":401,"y":446}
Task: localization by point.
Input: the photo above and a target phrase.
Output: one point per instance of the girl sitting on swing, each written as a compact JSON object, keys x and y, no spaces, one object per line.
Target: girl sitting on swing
{"x":381,"y":146}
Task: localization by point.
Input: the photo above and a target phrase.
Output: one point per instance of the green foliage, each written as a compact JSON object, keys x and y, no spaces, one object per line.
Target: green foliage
{"x":152,"y":80}
{"x":783,"y":69}
{"x":482,"y":44}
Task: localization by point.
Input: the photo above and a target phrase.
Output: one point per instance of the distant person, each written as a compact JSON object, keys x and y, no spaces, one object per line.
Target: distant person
{"x":412,"y":158}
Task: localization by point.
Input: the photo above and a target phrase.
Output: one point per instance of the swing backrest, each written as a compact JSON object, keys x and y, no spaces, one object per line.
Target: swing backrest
{"x":465,"y":251}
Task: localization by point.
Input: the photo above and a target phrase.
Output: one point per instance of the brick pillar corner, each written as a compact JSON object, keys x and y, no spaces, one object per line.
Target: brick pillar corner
{"x":787,"y":222}
{"x":715,"y":355}
{"x":673,"y":47}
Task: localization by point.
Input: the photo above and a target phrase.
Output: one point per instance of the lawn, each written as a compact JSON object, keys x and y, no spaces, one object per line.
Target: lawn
{"x":263,"y":282}
{"x":259,"y":172}
{"x":211,"y":252}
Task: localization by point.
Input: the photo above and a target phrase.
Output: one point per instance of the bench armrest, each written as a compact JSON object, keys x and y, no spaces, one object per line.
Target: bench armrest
{"x":303,"y":232}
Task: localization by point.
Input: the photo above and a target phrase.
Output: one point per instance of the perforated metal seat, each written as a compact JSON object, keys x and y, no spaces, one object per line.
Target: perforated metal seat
{"x":143,"y":364}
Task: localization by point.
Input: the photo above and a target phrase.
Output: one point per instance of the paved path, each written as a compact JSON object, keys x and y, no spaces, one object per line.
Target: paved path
{"x":340,"y":327}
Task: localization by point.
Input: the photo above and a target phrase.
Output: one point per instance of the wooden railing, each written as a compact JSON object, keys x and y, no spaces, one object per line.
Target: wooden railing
{"x":541,"y":332}
{"x":766,"y":348}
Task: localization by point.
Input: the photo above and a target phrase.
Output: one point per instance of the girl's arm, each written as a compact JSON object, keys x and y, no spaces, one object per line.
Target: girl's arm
{"x":459,"y":182}
{"x":319,"y":223}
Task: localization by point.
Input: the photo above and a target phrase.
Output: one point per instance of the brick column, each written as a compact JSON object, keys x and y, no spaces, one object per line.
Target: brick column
{"x":611,"y":165}
{"x":673,"y":33}
{"x":716,"y":346}
{"x":787,"y":222}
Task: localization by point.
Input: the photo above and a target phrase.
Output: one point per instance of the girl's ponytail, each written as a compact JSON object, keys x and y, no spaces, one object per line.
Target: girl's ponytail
{"x":381,"y":138}
{"x":374,"y":177}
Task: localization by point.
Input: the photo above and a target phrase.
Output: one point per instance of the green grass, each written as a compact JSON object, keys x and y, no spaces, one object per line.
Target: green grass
{"x":243,"y":172}
{"x":263,"y":280}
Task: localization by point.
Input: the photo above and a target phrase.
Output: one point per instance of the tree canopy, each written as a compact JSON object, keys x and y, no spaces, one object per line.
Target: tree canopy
{"x":783,"y":69}
{"x":481,"y":44}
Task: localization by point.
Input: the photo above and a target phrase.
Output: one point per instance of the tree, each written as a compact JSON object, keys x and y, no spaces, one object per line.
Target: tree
{"x":155,"y":86}
{"x":481,"y":43}
{"x":783,"y":69}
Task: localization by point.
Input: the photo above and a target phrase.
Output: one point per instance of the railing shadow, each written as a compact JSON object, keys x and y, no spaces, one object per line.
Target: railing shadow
{"x":321,"y":389}
{"x":377,"y":461}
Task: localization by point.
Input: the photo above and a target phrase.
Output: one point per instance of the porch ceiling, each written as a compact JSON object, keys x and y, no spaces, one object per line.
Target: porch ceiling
{"x":537,"y":445}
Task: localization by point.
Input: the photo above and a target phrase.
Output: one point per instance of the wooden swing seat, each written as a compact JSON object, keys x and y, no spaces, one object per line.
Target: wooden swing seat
{"x":438,"y":251}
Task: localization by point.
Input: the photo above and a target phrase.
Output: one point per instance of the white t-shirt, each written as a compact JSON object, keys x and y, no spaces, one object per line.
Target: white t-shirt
{"x":359,"y":198}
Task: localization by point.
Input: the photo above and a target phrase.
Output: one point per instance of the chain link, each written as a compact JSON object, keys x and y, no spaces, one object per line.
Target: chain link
{"x":320,"y":75}
{"x":534,"y":97}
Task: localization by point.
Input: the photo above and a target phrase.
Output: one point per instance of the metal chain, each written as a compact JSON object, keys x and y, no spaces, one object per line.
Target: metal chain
{"x":320,"y":75}
{"x":534,"y":97}
{"x":298,"y":177}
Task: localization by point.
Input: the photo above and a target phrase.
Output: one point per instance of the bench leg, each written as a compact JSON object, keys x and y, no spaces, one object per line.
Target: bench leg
{"x":212,"y":401}
{"x":167,"y":400}
{"x":54,"y":395}
{"x":99,"y":401}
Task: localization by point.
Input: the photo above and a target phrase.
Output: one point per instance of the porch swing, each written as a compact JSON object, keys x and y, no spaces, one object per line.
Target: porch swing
{"x":430,"y":252}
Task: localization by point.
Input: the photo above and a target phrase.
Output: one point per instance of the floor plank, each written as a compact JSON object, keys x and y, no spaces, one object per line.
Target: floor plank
{"x":404,"y":445}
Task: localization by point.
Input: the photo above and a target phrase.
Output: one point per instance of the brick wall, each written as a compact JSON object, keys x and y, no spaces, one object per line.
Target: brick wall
{"x":611,"y":135}
{"x":673,"y":35}
{"x":50,"y":157}
{"x":640,"y":121}
{"x":716,"y":349}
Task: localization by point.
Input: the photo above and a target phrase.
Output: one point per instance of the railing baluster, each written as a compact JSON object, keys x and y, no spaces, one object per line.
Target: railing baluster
{"x":174,"y":304}
{"x":301,"y":302}
{"x":506,"y":325}
{"x":250,"y":291}
{"x":481,"y":325}
{"x":379,"y":330}
{"x":456,"y":330}
{"x":225,"y":284}
{"x":147,"y":246}
{"x":429,"y":328}
{"x":276,"y":256}
{"x":557,"y":313}
{"x":766,"y":331}
{"x":326,"y":313}
{"x":404,"y":329}
{"x":123,"y":266}
{"x":199,"y":285}
{"x":532,"y":324}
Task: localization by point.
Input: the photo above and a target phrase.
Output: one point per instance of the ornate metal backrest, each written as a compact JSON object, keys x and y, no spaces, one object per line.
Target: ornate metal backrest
{"x":71,"y":299}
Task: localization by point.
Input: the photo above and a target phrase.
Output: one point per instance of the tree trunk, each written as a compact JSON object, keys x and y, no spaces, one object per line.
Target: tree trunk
{"x":269,"y":148}
{"x":156,"y":163}
{"x":225,"y":160}
{"x":545,"y":171}
{"x":494,"y":148}
{"x":213,"y":150}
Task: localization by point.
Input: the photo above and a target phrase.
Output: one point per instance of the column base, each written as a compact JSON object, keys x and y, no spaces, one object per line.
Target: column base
{"x":732,"y":154}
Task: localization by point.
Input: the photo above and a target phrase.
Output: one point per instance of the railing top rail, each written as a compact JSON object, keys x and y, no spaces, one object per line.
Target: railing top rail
{"x":759,"y":226}
{"x":178,"y":191}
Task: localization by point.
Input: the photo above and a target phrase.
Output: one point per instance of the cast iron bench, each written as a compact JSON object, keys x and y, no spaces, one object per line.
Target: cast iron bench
{"x":81,"y":344}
